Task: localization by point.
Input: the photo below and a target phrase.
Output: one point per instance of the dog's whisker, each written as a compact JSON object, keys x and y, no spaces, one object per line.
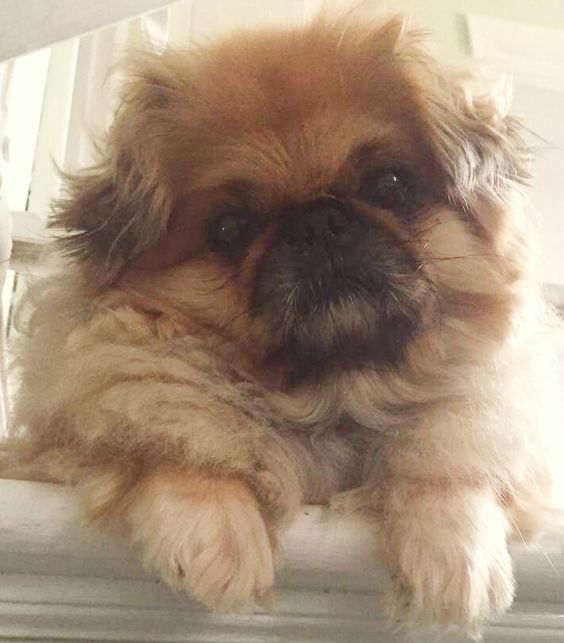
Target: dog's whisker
{"x":433,"y":260}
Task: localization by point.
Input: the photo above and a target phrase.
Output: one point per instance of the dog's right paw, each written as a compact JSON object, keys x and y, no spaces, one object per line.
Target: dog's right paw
{"x":449,"y":561}
{"x":469,"y":589}
{"x":205,"y":535}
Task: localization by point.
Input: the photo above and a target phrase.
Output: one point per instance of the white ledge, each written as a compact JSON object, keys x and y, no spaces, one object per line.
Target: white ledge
{"x":61,"y":581}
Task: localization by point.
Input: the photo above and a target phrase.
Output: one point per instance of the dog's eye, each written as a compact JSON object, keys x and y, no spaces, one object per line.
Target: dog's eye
{"x":390,"y":189}
{"x":231,"y":233}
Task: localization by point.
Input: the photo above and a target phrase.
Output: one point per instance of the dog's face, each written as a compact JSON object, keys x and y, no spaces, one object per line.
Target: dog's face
{"x":324,"y":198}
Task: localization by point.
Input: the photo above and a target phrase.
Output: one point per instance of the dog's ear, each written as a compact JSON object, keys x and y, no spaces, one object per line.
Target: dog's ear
{"x":473,"y":135}
{"x":477,"y":140}
{"x":117,"y":208}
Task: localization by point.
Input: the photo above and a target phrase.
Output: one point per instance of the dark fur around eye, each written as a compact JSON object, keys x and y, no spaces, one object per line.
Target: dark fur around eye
{"x":231,"y":233}
{"x":390,"y":189}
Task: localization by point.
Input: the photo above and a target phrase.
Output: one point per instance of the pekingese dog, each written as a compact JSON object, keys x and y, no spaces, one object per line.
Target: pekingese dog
{"x":300,"y":273}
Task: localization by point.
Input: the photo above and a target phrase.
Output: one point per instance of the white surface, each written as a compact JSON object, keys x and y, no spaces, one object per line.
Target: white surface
{"x":59,"y":581}
{"x":5,"y":251}
{"x":213,"y":17}
{"x":534,"y":58}
{"x":26,"y":25}
{"x":526,"y":51}
{"x":51,"y":143}
{"x":5,"y":248}
{"x":30,"y":227}
{"x":542,"y":110}
{"x":23,"y":104}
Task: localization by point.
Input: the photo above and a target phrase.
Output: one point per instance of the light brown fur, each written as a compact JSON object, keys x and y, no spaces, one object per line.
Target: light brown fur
{"x":144,"y":379}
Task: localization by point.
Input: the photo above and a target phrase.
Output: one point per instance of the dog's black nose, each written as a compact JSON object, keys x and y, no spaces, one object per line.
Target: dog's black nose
{"x":324,"y":221}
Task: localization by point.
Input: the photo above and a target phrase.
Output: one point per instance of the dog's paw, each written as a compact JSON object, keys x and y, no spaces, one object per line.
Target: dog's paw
{"x":449,"y":560}
{"x":205,"y":535}
{"x":466,"y":590}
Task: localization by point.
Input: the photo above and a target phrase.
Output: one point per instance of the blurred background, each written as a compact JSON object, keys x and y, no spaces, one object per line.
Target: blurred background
{"x":55,"y":93}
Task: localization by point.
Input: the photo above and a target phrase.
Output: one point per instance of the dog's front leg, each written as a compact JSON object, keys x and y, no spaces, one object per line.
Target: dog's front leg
{"x":445,"y":542}
{"x":201,"y":531}
{"x":156,"y":438}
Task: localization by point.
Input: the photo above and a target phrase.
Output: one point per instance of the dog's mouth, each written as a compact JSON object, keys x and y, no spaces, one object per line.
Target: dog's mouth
{"x":348,"y":328}
{"x":337,"y":321}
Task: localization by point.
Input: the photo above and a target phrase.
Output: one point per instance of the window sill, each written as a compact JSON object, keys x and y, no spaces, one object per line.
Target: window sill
{"x":59,"y":581}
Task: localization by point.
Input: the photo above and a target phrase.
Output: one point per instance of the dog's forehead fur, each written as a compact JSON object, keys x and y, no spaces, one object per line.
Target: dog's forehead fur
{"x":291,"y":106}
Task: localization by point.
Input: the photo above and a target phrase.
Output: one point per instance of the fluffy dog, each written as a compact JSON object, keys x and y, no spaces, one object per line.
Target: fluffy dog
{"x":300,"y":273}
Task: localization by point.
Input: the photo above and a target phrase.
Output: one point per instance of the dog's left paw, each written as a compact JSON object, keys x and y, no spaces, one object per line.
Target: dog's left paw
{"x":204,"y":534}
{"x":449,"y":560}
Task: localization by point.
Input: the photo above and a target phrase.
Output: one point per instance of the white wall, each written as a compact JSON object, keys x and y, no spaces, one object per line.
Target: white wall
{"x":533,"y":56}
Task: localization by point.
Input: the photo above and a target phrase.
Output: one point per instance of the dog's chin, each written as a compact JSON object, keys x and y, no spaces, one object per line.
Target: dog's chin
{"x":346,"y":333}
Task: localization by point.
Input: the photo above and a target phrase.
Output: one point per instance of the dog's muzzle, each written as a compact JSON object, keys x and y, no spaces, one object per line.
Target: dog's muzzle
{"x":332,"y":280}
